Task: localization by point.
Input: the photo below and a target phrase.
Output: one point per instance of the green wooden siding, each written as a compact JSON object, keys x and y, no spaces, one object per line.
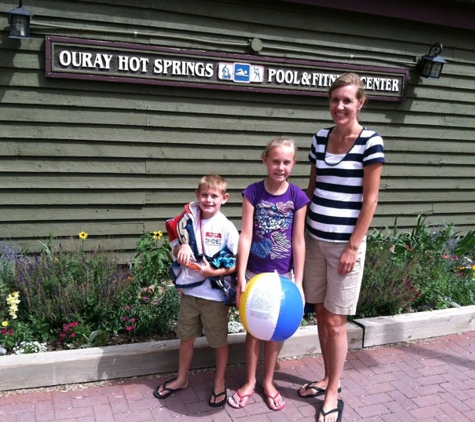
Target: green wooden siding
{"x":116,"y":159}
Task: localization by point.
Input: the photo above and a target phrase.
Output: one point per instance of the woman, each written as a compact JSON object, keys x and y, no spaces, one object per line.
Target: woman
{"x":346,"y":164}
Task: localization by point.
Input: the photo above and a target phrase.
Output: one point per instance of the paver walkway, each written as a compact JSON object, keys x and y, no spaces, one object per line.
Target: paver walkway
{"x":430,"y":380}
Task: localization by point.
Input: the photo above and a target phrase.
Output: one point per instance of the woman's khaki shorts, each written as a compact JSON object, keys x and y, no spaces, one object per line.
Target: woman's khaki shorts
{"x":197,"y":314}
{"x":322,"y":284}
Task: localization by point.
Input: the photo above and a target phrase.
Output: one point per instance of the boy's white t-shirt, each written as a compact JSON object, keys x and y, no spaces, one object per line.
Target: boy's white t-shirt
{"x":214,"y":234}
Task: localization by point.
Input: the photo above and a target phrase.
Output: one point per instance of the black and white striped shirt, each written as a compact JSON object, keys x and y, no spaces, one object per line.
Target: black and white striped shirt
{"x":338,"y":195}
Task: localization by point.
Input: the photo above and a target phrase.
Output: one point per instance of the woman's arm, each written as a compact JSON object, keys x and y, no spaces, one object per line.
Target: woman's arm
{"x":371,"y":182}
{"x":311,"y":182}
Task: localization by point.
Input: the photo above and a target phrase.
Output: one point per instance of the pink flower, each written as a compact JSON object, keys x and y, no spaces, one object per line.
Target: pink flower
{"x":132,"y":320}
{"x":73,"y":335}
{"x":129,"y":328}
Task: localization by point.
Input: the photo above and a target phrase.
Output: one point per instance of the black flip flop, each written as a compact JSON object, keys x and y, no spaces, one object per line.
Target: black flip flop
{"x":319,"y":391}
{"x":215,"y":397}
{"x":338,"y":409}
{"x":163,"y":388}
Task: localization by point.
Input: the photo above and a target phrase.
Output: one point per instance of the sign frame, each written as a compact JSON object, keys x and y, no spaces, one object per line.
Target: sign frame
{"x":94,"y":60}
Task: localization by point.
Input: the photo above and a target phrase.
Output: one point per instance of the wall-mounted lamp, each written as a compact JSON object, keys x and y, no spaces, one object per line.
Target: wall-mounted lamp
{"x":19,"y":20}
{"x":431,"y":64}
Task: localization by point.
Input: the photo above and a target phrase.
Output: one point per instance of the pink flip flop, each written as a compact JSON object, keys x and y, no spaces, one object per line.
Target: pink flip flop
{"x":243,"y":398}
{"x":270,"y":400}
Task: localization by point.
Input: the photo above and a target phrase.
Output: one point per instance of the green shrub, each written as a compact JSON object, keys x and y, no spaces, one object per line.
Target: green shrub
{"x":14,"y":333}
{"x":152,"y":261}
{"x":69,"y":285}
{"x":7,"y":279}
{"x":74,"y":298}
{"x":152,"y":313}
{"x":418,"y":270}
{"x":387,"y":288}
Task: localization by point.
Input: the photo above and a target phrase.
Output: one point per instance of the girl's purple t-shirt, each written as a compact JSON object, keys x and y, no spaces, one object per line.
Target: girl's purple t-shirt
{"x":271,"y":248}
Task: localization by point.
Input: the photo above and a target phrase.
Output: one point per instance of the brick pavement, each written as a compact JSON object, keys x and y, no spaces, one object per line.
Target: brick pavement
{"x":430,"y":380}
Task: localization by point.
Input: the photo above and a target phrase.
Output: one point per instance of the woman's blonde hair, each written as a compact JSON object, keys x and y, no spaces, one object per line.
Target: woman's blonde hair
{"x":349,"y":79}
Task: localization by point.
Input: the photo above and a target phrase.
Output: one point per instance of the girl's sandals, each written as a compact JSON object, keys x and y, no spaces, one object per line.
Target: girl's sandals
{"x":272,"y":401}
{"x":241,"y":401}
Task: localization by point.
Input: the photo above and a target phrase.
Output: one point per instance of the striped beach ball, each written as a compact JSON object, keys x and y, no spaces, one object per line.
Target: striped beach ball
{"x":271,"y":307}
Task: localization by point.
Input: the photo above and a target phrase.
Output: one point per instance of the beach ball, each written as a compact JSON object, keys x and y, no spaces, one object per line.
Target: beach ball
{"x":271,"y":307}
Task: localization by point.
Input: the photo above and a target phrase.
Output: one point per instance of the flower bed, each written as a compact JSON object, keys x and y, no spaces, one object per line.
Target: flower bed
{"x":73,"y":297}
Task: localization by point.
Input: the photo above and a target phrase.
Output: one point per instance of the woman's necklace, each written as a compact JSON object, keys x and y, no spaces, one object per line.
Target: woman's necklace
{"x":341,"y":144}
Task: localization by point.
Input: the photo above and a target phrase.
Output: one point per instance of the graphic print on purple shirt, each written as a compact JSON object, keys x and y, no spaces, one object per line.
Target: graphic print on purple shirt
{"x":273,"y":220}
{"x":271,"y":248}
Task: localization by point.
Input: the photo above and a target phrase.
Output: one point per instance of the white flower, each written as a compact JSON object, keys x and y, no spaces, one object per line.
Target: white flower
{"x":26,"y":347}
{"x":235,"y":327}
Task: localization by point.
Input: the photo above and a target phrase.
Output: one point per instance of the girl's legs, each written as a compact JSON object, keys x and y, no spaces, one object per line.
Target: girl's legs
{"x":241,"y":396}
{"x":273,"y":397}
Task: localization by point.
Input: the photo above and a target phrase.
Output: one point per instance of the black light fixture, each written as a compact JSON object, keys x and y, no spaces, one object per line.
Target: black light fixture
{"x":19,"y":20}
{"x":431,"y":64}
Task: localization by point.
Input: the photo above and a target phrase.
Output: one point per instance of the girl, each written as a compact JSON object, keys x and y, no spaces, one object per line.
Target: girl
{"x":272,"y":239}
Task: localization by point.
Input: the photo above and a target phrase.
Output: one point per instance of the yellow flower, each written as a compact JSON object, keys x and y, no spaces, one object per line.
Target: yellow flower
{"x":5,"y":324}
{"x":13,"y":299}
{"x":157,"y":235}
{"x":83,"y":235}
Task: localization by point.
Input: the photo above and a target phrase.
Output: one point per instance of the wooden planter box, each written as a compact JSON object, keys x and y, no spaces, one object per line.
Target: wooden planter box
{"x":103,"y":363}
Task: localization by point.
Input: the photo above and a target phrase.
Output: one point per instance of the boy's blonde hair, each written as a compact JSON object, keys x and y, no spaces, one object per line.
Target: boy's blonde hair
{"x":279,"y":142}
{"x":213,"y":181}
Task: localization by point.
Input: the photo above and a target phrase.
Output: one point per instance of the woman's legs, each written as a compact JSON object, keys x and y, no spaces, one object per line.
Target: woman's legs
{"x":334,"y":344}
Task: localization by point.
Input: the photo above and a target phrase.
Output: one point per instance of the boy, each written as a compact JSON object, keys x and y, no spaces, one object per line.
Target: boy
{"x":204,"y":231}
